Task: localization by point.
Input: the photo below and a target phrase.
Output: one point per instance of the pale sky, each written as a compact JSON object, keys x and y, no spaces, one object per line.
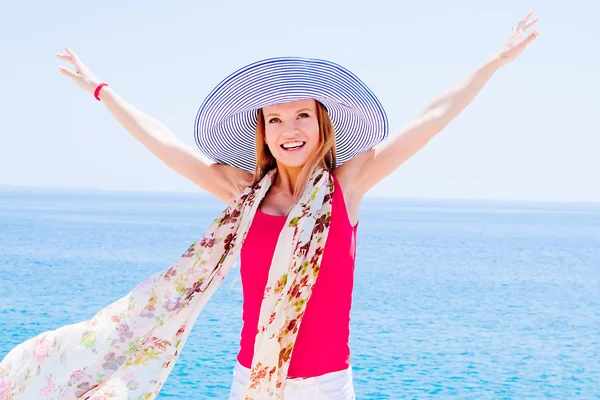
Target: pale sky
{"x":531,"y":134}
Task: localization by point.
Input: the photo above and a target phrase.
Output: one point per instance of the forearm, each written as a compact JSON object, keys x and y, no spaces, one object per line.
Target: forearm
{"x":448,"y":105}
{"x":150,"y":132}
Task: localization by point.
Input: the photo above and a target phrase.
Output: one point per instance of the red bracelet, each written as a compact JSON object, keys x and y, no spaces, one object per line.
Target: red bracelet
{"x":97,"y":91}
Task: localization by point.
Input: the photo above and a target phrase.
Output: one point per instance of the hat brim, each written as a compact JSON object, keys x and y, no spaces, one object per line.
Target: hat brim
{"x":225,"y":127}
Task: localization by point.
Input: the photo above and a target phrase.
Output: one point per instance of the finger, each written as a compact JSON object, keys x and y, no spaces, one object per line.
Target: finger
{"x":66,"y":71}
{"x":64,"y":57}
{"x":533,"y":21}
{"x":74,"y":57}
{"x":71,"y":53}
{"x":529,"y":38}
{"x":527,"y":15}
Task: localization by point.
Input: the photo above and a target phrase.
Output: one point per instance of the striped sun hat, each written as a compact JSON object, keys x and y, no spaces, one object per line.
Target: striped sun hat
{"x":225,"y":127}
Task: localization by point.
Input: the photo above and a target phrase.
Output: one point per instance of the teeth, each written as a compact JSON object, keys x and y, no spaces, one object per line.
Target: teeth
{"x":292,"y":145}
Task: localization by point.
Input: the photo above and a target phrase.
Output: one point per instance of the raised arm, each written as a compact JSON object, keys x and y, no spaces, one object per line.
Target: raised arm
{"x":222,"y":181}
{"x":371,"y":167}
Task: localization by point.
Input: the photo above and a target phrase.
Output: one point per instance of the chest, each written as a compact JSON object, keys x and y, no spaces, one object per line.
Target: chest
{"x":277,"y":203}
{"x":261,"y":241}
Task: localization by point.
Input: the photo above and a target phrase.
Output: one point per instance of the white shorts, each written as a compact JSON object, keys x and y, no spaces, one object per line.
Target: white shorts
{"x":336,"y":385}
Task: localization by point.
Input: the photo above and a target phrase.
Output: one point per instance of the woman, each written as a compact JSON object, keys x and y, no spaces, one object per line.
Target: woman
{"x":292,"y":145}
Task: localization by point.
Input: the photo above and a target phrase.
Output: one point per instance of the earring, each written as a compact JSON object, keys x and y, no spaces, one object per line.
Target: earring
{"x":331,"y":158}
{"x":258,"y":170}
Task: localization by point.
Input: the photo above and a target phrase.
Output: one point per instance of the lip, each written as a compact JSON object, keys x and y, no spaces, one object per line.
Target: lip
{"x":292,"y":150}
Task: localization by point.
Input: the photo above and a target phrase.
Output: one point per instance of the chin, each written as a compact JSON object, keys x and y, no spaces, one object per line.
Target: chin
{"x":291,"y":165}
{"x":292,"y":162}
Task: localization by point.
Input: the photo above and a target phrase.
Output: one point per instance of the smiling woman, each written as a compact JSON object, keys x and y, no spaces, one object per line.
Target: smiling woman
{"x":246,"y":122}
{"x":303,"y":137}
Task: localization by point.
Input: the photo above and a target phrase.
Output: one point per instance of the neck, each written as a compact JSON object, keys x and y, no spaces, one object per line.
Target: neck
{"x":286,"y":178}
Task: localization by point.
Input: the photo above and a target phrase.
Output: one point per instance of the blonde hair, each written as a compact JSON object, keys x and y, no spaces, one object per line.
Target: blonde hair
{"x":324,"y":157}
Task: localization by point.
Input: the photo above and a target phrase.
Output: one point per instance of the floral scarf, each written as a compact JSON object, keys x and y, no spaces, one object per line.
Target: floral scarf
{"x":128,"y":349}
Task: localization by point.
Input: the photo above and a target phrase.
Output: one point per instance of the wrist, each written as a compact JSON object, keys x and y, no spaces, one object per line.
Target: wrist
{"x":100,"y":88}
{"x":495,"y":62}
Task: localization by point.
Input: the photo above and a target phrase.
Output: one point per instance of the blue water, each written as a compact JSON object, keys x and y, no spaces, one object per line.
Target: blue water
{"x":452,"y":298}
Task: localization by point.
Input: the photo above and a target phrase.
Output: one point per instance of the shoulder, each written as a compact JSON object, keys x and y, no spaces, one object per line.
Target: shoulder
{"x":347,"y":175}
{"x":236,"y":180}
{"x":353,"y":192}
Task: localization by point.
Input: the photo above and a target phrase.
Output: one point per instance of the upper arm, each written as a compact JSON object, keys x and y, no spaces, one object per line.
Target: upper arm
{"x":373,"y":166}
{"x":231,"y":181}
{"x":222,"y":181}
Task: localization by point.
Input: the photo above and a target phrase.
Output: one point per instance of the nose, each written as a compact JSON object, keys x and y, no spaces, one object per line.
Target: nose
{"x":290,"y":129}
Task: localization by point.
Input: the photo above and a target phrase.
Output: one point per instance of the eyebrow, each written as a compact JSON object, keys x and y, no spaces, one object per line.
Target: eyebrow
{"x":302,"y":109}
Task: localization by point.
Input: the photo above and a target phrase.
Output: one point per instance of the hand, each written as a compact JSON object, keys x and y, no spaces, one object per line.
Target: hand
{"x":516,"y":44}
{"x":82,"y":76}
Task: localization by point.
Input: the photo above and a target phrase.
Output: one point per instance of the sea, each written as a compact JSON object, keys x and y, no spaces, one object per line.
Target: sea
{"x":452,"y":298}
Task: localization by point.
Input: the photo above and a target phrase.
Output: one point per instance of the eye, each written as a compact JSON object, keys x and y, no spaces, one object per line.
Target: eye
{"x":304,"y":115}
{"x":274,"y":119}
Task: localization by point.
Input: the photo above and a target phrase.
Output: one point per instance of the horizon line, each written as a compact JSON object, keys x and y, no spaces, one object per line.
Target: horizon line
{"x":202,"y":192}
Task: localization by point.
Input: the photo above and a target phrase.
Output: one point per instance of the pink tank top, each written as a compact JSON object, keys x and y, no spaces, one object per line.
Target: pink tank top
{"x":322,"y":342}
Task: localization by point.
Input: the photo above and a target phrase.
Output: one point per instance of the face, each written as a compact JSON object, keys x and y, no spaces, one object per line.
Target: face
{"x":292,"y":132}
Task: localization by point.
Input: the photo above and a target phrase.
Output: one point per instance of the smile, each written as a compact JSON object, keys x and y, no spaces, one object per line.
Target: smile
{"x":292,"y":146}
